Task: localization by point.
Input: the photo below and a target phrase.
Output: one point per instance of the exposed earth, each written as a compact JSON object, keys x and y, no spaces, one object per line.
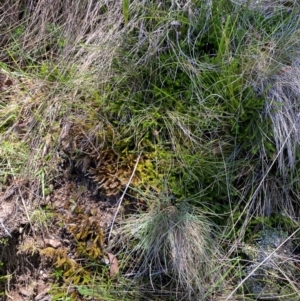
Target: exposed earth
{"x":65,"y":230}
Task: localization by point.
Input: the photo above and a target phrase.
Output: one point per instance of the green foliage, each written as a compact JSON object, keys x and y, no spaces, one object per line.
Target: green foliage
{"x":41,"y":217}
{"x":57,"y":41}
{"x":47,"y":70}
{"x":125,"y":10}
{"x":13,"y":155}
{"x":107,"y":292}
{"x":192,"y":94}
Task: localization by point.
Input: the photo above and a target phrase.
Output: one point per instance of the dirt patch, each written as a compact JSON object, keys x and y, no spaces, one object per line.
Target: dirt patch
{"x":65,"y":230}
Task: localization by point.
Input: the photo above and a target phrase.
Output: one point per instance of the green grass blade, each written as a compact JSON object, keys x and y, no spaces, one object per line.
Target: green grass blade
{"x":126,"y":11}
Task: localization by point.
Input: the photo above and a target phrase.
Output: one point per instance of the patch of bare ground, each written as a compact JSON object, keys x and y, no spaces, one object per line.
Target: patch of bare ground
{"x":64,"y":230}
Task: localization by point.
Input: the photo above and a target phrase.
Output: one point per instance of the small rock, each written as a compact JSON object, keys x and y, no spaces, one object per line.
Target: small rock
{"x":46,"y":298}
{"x":26,"y":293}
{"x":52,"y":243}
{"x":42,"y":295}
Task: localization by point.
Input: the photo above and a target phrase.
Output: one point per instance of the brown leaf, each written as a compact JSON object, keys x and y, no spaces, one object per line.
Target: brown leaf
{"x":114,"y":267}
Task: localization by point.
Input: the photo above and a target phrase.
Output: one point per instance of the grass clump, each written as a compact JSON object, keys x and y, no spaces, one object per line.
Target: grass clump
{"x":173,"y":245}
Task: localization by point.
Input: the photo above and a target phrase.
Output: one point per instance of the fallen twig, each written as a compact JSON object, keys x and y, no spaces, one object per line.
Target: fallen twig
{"x":122,"y":196}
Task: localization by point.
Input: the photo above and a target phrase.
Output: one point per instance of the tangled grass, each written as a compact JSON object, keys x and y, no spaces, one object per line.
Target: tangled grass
{"x":174,"y":245}
{"x":208,"y":92}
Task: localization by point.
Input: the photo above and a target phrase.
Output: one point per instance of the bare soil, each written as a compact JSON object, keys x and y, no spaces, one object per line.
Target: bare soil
{"x":34,"y":232}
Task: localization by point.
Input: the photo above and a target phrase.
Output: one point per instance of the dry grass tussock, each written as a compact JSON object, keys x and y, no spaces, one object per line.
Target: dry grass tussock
{"x":64,"y":33}
{"x":271,"y":59}
{"x":268,"y":7}
{"x":174,"y":246}
{"x":275,"y":74}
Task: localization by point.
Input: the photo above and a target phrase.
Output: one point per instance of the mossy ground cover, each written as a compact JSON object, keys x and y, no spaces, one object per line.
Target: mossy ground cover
{"x":183,"y":112}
